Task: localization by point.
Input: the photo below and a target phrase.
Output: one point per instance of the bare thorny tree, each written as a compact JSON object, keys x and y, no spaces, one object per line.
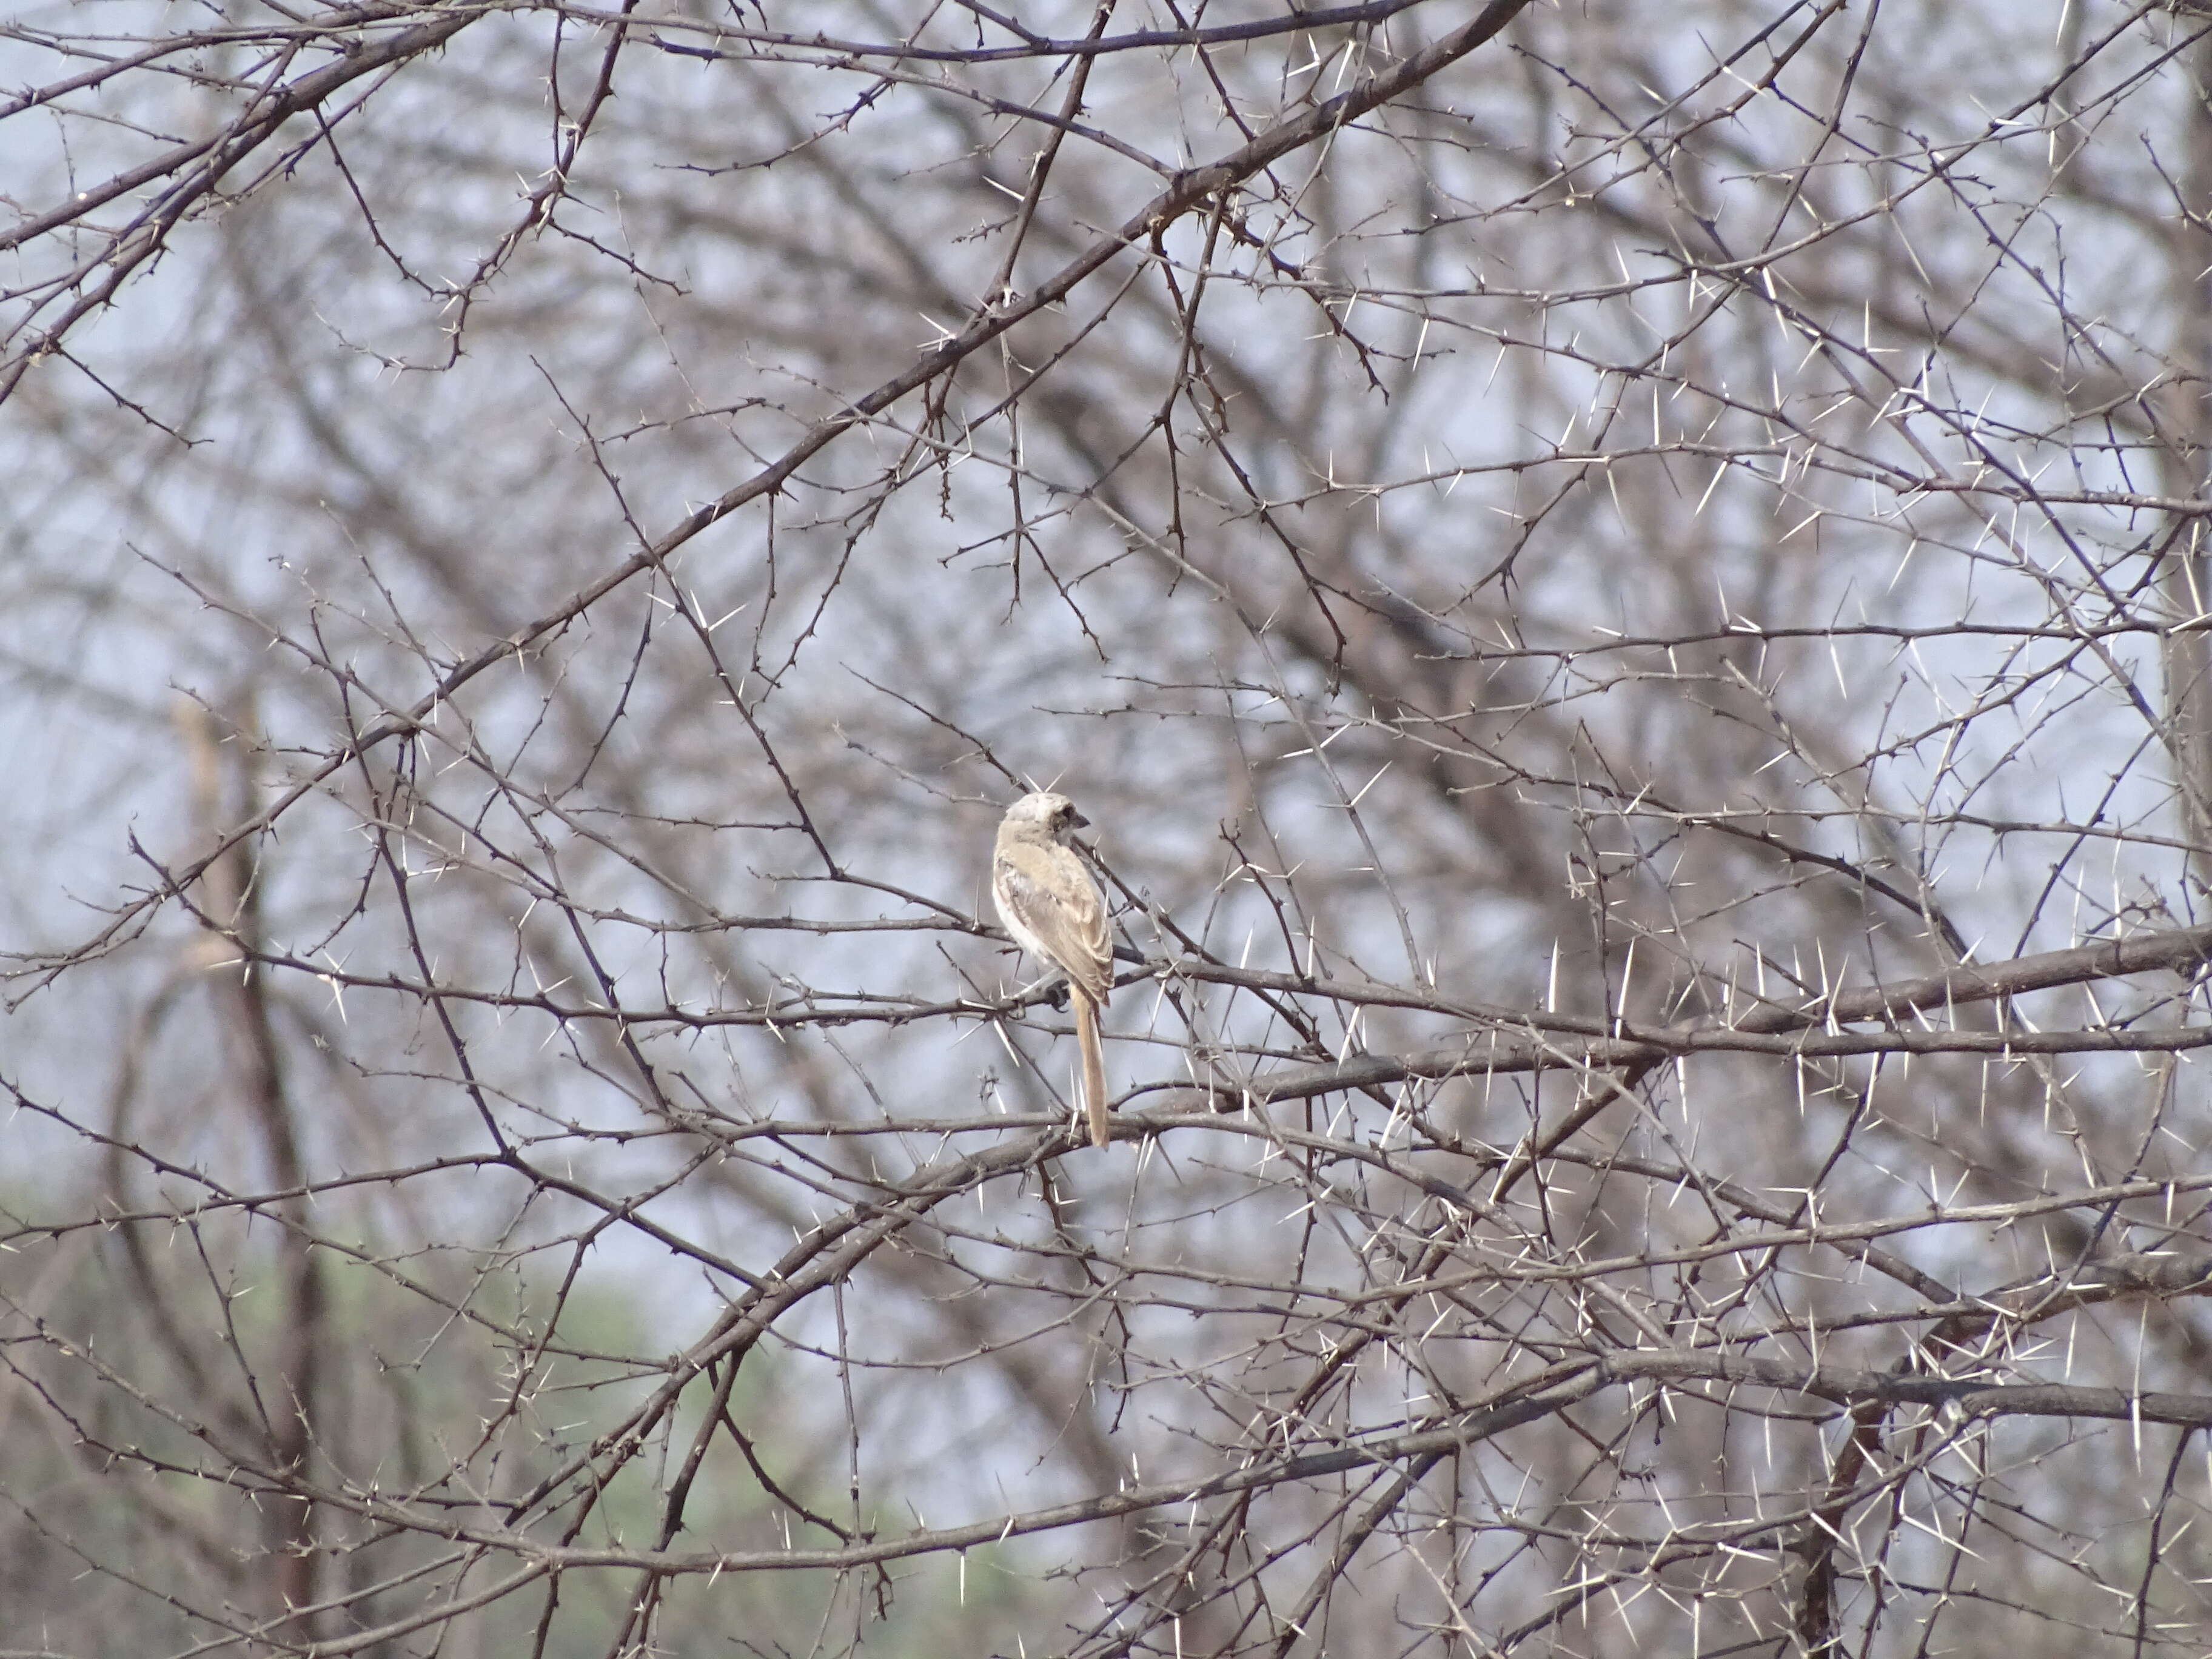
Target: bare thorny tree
{"x":1625,"y":586}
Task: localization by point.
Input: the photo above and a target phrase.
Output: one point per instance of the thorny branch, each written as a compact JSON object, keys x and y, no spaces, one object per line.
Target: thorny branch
{"x":1624,"y":590}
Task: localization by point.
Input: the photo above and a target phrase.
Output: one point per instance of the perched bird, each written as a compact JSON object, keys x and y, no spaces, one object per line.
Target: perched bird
{"x":1053,"y":910}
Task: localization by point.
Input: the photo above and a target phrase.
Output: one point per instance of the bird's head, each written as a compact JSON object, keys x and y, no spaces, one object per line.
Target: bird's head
{"x":1054,"y":814}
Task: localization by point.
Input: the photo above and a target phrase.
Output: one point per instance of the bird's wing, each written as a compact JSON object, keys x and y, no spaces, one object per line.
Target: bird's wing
{"x":1047,"y":892}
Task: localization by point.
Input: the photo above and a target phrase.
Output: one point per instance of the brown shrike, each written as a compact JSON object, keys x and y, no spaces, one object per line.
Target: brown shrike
{"x":1053,"y":910}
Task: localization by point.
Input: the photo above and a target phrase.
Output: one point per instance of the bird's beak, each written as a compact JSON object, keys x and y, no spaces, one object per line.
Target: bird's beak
{"x":1078,"y":819}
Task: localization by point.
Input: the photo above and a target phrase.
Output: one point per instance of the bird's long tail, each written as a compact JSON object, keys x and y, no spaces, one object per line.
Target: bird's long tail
{"x":1094,"y":1066}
